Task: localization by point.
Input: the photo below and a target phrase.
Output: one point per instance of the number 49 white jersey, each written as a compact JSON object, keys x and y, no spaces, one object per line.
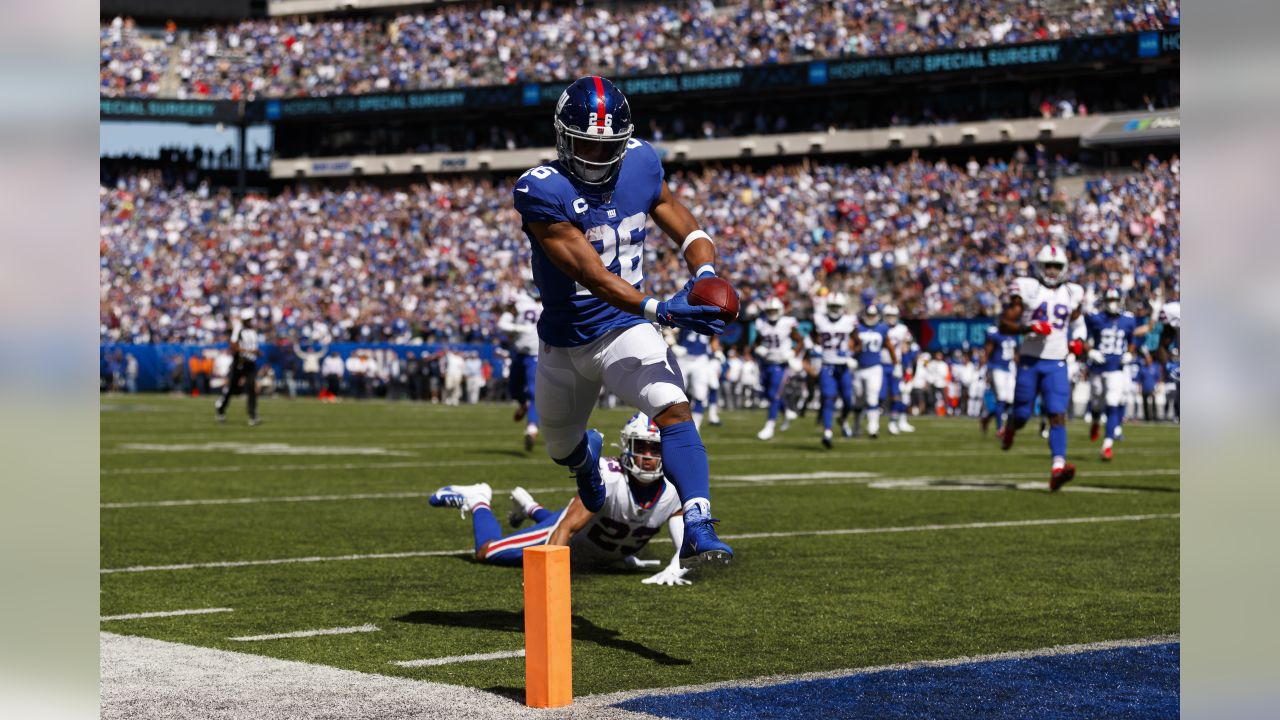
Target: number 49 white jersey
{"x":1054,"y":306}
{"x":622,"y":527}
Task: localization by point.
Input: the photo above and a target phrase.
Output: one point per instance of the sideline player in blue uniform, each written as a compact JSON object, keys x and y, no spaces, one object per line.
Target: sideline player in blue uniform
{"x":586,"y":217}
{"x":1000,"y":356}
{"x":873,"y":336}
{"x":1111,"y":342}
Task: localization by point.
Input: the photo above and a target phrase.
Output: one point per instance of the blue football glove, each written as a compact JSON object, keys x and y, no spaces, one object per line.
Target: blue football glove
{"x":677,"y":312}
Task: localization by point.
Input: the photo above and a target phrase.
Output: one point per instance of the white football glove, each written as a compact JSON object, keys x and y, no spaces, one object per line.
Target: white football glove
{"x":1126,"y":358}
{"x":1096,"y":357}
{"x":670,"y":575}
{"x":897,"y":372}
{"x":632,"y":561}
{"x":759,"y":350}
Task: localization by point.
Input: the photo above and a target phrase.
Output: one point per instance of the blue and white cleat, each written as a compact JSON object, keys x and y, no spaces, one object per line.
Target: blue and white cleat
{"x":701,"y":545}
{"x":587,"y":475}
{"x":463,"y":497}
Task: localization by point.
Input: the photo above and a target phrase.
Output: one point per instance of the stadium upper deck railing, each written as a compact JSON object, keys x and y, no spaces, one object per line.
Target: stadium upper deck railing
{"x":829,"y":74}
{"x":1101,"y":129}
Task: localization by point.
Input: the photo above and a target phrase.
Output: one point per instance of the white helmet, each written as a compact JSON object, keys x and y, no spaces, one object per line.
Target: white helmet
{"x":871,"y":314}
{"x":246,"y":314}
{"x":641,"y":439}
{"x":1111,"y":301}
{"x":1052,"y":264}
{"x":891,"y":314}
{"x":773,"y":309}
{"x":836,"y":305}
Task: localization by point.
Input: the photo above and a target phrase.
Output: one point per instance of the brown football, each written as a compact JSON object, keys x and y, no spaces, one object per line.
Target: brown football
{"x":716,"y":292}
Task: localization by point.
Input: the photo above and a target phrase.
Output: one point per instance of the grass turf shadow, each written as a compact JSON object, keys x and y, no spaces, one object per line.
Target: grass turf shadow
{"x":511,"y":621}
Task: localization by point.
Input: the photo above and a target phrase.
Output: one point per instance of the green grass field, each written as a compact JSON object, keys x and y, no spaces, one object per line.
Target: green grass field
{"x":790,"y":603}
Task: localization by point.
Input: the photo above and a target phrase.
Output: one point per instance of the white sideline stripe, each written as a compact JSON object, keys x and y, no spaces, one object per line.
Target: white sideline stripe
{"x":432,"y":662}
{"x":255,"y":500}
{"x":308,"y":633}
{"x":743,"y":536}
{"x":726,"y":482}
{"x":163,"y":613}
{"x":320,"y":466}
{"x":769,"y":680}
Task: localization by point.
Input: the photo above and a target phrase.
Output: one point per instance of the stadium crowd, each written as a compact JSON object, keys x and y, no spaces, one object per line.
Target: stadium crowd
{"x":496,"y":43}
{"x":436,"y":262}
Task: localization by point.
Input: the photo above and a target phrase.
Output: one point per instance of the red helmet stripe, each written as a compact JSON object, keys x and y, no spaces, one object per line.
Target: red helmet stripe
{"x":599,"y":101}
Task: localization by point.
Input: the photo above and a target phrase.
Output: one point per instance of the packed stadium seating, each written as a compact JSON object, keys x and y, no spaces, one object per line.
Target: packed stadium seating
{"x":495,"y":43}
{"x":435,"y":260}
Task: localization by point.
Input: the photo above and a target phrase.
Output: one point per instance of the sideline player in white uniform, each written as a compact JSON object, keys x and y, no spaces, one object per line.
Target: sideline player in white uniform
{"x":586,"y":216}
{"x":899,"y":340}
{"x":521,"y":323}
{"x":1042,"y":310}
{"x":833,"y":335}
{"x":638,"y":501}
{"x":776,"y":335}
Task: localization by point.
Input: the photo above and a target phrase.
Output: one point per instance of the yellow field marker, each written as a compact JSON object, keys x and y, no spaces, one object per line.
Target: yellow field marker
{"x":548,"y":633}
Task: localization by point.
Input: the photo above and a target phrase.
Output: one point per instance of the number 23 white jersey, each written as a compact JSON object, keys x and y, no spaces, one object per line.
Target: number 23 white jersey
{"x":622,"y":527}
{"x":1054,"y":306}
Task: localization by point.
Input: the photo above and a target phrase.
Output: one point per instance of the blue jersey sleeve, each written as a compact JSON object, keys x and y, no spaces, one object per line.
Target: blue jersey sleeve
{"x":651,"y":164}
{"x":540,"y":196}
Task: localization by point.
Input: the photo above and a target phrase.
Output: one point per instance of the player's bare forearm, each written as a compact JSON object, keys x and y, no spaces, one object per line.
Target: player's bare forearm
{"x":677,"y":222}
{"x":571,"y":252}
{"x":576,"y":517}
{"x":987,"y":352}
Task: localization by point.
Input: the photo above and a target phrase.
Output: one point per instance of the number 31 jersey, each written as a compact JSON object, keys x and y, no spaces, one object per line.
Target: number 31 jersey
{"x":614,"y":219}
{"x":1054,"y":306}
{"x":623,"y":526}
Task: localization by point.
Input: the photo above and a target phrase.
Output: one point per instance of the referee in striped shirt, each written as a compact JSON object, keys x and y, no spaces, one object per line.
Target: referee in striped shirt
{"x":244,"y":367}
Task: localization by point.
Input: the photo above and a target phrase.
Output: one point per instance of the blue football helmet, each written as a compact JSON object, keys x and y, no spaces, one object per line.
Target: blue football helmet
{"x":593,"y":126}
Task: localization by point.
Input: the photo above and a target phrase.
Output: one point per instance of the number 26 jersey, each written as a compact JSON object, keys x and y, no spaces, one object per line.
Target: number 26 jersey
{"x":1052,"y":305}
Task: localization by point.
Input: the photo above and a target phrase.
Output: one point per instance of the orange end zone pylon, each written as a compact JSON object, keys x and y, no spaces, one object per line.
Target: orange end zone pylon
{"x":548,"y":632}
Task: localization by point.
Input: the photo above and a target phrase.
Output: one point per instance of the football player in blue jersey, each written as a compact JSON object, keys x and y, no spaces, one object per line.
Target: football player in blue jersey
{"x":586,"y":216}
{"x":695,"y":353}
{"x":869,"y":377}
{"x":1111,"y":342}
{"x":1000,"y":359}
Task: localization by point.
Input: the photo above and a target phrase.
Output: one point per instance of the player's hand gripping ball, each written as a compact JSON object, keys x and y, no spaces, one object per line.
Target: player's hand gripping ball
{"x":716,"y":292}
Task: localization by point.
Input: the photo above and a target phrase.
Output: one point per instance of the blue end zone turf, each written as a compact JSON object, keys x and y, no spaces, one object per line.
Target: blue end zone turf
{"x":1139,"y":682}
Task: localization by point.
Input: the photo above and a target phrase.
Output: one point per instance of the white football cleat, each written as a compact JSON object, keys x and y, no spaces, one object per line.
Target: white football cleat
{"x":464,"y":497}
{"x":520,"y":499}
{"x":766,"y":433}
{"x":893,"y":427}
{"x":905,"y":426}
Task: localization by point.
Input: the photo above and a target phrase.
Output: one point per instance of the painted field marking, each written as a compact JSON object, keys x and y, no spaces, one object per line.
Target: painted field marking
{"x":258,"y":448}
{"x":743,"y":536}
{"x":308,"y":633}
{"x":723,"y":482}
{"x":769,"y":680}
{"x":163,"y":613}
{"x":433,"y":662}
{"x":323,"y":467}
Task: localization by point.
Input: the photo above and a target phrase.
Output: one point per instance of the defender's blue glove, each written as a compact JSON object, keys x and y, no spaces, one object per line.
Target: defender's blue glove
{"x":677,"y":312}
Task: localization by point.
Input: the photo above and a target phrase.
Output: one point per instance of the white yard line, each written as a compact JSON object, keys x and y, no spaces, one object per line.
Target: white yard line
{"x":308,"y":633}
{"x":163,"y":613}
{"x":743,"y":536}
{"x":432,"y":662}
{"x":722,"y":481}
{"x":855,"y":456}
{"x":760,"y":682}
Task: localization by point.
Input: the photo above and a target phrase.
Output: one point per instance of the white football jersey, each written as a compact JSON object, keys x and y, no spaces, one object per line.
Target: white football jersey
{"x":1053,"y":305}
{"x":1171,"y":314}
{"x":523,"y":324}
{"x":833,"y":335}
{"x":622,"y":527}
{"x":776,"y":338}
{"x":900,"y":339}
